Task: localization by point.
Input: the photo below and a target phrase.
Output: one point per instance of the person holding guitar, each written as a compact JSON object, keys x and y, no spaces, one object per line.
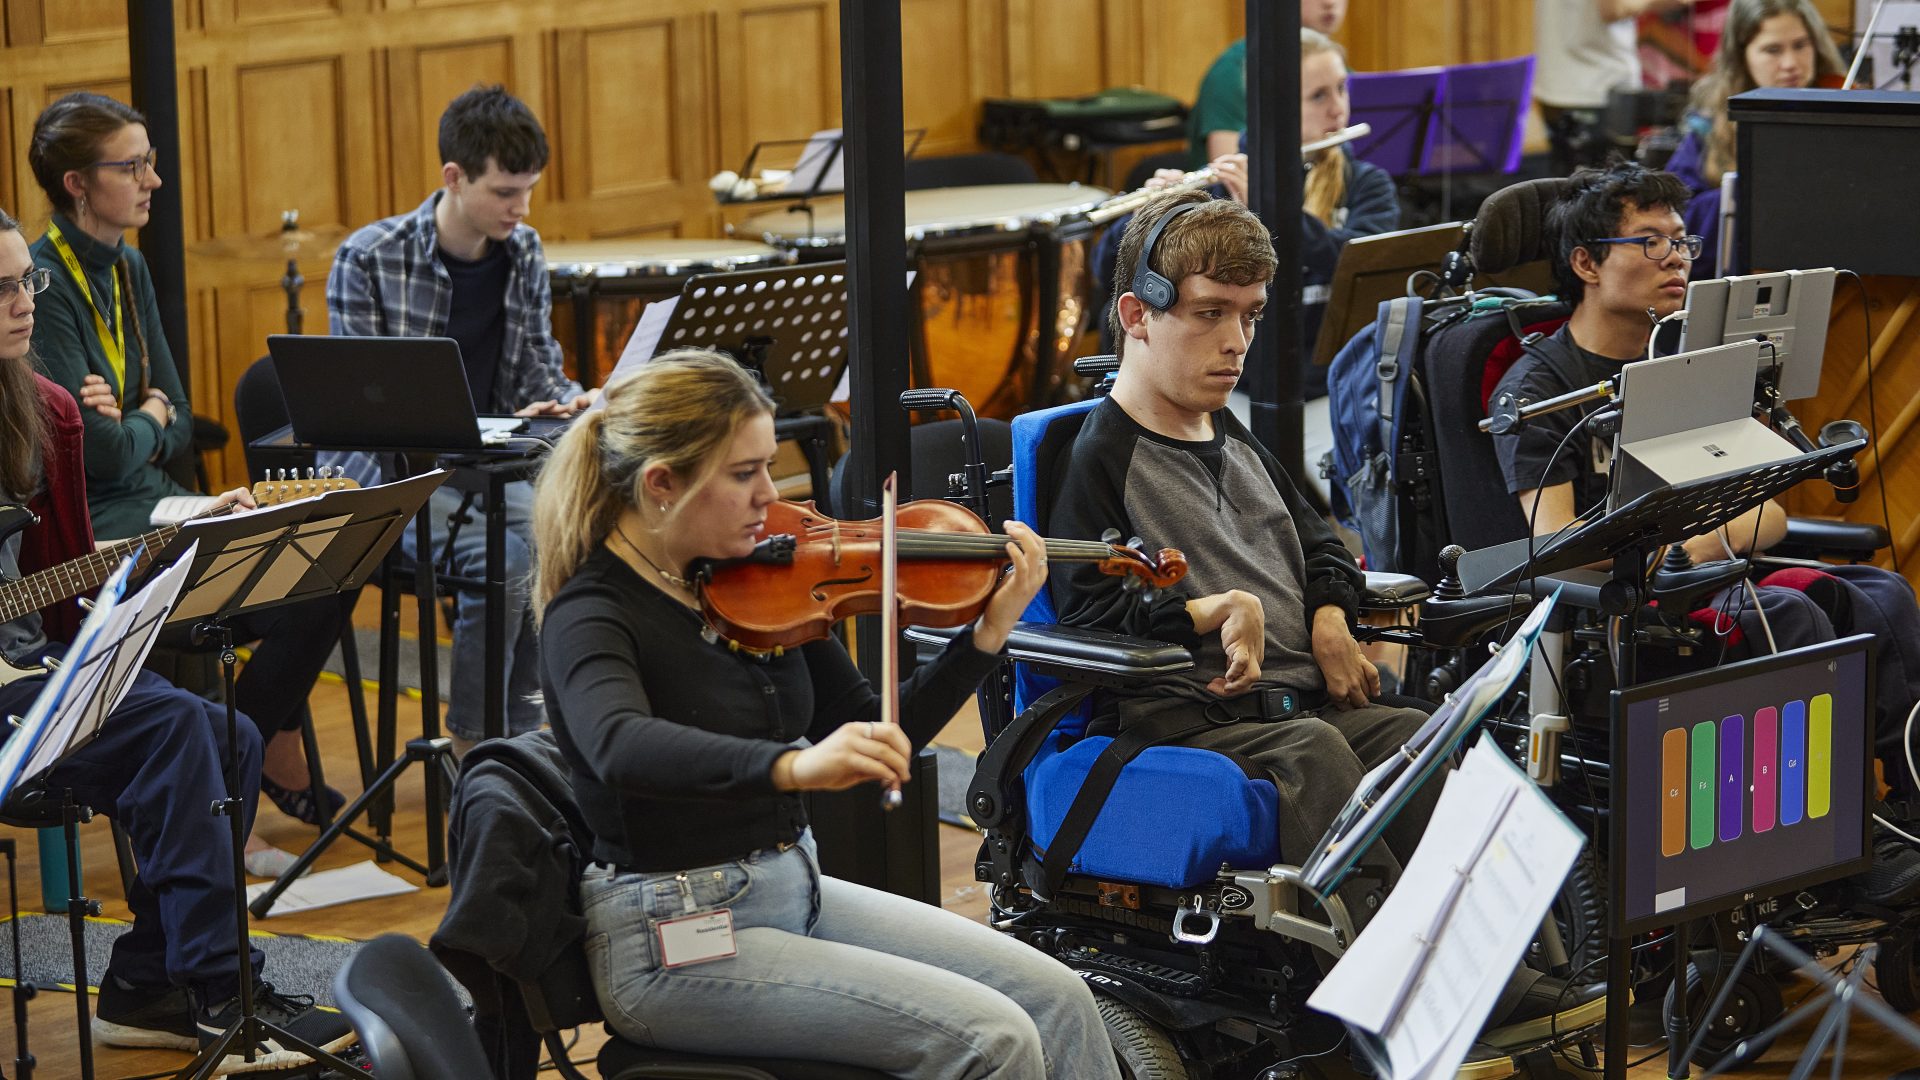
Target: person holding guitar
{"x":155,"y":766}
{"x":99,"y":335}
{"x":709,"y":925}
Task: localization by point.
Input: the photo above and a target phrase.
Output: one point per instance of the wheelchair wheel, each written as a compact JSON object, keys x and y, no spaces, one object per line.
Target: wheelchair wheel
{"x":1145,"y":1050}
{"x":1755,"y":1004}
{"x":1580,"y":909}
{"x":1896,"y":970}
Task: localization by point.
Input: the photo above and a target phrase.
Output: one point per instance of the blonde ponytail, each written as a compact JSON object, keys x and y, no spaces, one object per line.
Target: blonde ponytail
{"x":680,"y":410}
{"x":1326,"y":188}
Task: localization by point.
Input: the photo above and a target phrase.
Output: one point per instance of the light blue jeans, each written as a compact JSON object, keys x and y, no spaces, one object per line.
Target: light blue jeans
{"x":465,"y":711}
{"x":833,"y":971}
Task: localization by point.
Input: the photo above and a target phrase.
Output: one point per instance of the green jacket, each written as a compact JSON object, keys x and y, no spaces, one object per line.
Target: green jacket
{"x":124,"y":477}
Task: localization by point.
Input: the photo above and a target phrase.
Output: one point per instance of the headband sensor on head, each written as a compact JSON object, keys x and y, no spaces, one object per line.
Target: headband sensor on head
{"x":1153,"y":289}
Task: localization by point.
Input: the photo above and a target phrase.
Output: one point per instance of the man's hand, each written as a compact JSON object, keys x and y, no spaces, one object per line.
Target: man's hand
{"x":1232,"y":169}
{"x":1242,"y":623}
{"x":1352,"y":680}
{"x":560,"y":408}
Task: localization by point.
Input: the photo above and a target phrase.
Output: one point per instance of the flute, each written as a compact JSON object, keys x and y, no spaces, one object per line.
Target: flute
{"x":1133,"y":200}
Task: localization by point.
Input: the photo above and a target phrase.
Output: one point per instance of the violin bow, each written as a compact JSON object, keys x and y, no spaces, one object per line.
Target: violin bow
{"x":890,"y":617}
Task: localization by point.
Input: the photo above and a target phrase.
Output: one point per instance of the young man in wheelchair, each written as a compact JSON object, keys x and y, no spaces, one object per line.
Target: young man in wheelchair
{"x":1278,"y":682}
{"x":1622,"y":260}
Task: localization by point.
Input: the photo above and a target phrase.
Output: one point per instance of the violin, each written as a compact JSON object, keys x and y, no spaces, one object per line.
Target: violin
{"x":812,"y":571}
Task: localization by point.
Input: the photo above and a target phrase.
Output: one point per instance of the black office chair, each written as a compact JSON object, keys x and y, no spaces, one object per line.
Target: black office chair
{"x":938,"y":452}
{"x":260,"y":409}
{"x":410,"y":1022}
{"x":968,"y":170}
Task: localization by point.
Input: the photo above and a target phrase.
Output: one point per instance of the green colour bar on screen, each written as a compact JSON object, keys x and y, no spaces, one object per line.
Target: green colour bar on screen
{"x":1705,"y":762}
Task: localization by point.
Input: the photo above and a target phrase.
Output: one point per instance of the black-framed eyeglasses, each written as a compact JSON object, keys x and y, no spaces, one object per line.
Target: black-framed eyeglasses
{"x":33,"y":281}
{"x":1658,"y":247}
{"x":136,"y":166}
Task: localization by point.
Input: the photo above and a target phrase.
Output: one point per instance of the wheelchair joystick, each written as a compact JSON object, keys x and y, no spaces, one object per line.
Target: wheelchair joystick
{"x":1449,"y":587}
{"x":1844,"y":475}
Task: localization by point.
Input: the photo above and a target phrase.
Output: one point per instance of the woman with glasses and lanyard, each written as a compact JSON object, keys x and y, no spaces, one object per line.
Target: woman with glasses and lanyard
{"x":98,"y":334}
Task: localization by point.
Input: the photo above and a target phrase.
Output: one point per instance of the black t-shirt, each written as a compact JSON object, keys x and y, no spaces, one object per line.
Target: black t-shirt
{"x":671,"y":737}
{"x":1549,"y":368}
{"x":478,"y":317}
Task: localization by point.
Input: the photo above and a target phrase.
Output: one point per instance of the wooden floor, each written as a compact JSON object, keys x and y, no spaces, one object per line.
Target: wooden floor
{"x":1869,"y":1053}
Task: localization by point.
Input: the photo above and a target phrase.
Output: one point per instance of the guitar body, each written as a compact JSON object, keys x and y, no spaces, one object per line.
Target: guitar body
{"x":13,"y":518}
{"x":10,"y":674}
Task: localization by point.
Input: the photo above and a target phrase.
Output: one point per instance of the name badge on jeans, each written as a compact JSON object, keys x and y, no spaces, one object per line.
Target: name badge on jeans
{"x":695,"y":939}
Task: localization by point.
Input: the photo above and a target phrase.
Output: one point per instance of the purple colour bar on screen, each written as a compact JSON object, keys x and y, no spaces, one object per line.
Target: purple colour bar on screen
{"x":1766,"y":767}
{"x":1733,"y":761}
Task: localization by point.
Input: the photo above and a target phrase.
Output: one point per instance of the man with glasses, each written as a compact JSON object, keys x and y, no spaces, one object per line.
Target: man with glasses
{"x":1622,"y":257}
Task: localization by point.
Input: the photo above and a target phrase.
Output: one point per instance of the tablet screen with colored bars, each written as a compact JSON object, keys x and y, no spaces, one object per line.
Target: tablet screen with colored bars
{"x":1743,"y":783}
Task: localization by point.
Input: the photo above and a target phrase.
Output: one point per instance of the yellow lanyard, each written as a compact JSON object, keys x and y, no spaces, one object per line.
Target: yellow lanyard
{"x":114,"y":344}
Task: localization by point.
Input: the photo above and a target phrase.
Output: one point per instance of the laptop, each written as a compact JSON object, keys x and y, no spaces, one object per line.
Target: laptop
{"x":1689,"y":416}
{"x":388,"y":393}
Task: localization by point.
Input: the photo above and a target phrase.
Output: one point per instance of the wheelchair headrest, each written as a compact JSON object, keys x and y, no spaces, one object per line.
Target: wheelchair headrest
{"x":1511,"y":227}
{"x":403,"y":1007}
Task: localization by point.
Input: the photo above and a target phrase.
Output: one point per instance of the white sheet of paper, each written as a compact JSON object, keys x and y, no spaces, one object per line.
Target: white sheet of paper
{"x":100,"y":666}
{"x":1524,"y":852}
{"x":641,"y":344}
{"x":325,"y":888}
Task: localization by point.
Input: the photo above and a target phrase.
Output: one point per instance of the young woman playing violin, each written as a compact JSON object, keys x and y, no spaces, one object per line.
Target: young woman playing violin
{"x":709,"y":925}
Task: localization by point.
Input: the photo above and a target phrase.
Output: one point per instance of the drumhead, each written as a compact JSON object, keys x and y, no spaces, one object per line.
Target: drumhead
{"x":666,"y":256}
{"x":935,"y":213}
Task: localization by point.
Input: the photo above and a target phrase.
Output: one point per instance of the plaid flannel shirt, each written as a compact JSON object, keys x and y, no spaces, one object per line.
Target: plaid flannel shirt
{"x":388,"y":281}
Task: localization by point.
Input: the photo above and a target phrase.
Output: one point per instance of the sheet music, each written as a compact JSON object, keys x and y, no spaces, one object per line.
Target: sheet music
{"x":642,"y":343}
{"x":819,"y":169}
{"x":1426,"y":972}
{"x":95,"y":675}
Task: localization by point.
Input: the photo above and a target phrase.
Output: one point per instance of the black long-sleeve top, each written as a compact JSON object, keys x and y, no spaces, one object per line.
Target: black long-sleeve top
{"x":672,"y":738}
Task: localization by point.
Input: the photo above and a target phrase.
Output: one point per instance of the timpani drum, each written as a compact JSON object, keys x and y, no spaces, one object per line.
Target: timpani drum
{"x":1001,"y":288}
{"x":600,"y":287}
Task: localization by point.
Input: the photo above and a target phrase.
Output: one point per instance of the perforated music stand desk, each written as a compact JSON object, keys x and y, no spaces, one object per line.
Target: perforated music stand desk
{"x":787,"y":323}
{"x":1665,"y":515}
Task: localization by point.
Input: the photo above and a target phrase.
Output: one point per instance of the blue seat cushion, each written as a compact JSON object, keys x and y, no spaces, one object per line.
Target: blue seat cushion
{"x":1174,"y":816}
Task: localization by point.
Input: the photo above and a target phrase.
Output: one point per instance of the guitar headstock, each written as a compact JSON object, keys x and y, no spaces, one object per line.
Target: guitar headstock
{"x":286,"y":485}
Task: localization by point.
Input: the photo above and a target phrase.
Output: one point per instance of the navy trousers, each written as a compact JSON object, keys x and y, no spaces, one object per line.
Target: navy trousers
{"x":156,"y":768}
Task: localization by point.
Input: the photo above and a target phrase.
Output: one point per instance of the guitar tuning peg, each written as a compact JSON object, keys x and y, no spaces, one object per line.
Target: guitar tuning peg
{"x":309,"y":473}
{"x":283,"y":476}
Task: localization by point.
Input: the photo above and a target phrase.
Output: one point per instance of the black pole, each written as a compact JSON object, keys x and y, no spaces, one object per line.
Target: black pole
{"x":163,"y":240}
{"x":895,"y":851}
{"x":874,"y":118}
{"x":1276,"y":191}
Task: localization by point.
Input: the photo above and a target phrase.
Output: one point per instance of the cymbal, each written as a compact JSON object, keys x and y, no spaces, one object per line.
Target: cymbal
{"x":285,"y":244}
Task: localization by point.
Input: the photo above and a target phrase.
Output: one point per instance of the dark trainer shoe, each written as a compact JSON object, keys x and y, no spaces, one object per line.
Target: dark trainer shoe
{"x":138,"y":1016}
{"x":1549,"y":1007}
{"x":297,"y":1016}
{"x":1894,"y":878}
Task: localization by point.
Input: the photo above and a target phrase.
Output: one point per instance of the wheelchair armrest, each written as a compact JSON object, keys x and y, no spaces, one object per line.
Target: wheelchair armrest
{"x":1390,"y":592}
{"x":1079,"y":654}
{"x":1815,"y":538}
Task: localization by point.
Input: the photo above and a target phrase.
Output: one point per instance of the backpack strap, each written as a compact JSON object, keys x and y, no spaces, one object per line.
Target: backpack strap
{"x":1399,"y":338}
{"x":1146,"y":731}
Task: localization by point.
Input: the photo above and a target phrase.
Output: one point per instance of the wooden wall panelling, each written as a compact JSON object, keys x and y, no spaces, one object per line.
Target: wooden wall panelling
{"x":10,"y":152}
{"x":1895,"y":303}
{"x":421,"y":80}
{"x":63,"y":22}
{"x":949,"y":55}
{"x":778,"y":74}
{"x":1059,"y":48}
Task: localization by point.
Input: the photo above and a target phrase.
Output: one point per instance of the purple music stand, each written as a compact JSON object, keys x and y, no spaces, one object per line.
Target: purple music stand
{"x":1400,"y":106}
{"x":1481,"y":120}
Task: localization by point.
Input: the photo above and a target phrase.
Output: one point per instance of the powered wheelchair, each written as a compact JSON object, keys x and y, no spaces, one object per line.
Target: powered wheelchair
{"x":1449,"y":490}
{"x":1160,"y":881}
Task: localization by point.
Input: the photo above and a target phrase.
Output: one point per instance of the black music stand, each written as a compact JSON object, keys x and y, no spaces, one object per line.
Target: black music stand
{"x":1628,"y":535}
{"x":81,"y":690}
{"x":333,"y":544}
{"x":1842,"y":995}
{"x":303,"y":550}
{"x":789,"y":325}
